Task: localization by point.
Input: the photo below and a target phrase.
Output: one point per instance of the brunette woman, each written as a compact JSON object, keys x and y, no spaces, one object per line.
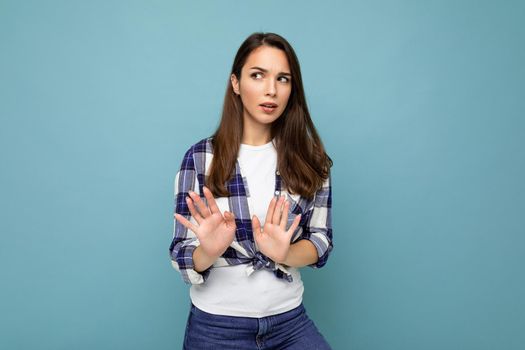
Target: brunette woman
{"x":253,"y":205}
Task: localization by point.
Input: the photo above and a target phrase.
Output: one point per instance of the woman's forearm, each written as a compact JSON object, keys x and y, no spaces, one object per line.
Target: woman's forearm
{"x":201,"y":261}
{"x":301,"y":253}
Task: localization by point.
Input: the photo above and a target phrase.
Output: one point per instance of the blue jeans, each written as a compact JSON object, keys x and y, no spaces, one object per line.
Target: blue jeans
{"x":288,"y":330}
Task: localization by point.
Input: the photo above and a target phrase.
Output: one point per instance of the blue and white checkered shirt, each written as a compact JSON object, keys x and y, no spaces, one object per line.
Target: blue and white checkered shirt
{"x":315,"y":224}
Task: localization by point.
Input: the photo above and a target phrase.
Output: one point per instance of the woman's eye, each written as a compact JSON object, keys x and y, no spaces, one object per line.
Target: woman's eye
{"x":286,"y":79}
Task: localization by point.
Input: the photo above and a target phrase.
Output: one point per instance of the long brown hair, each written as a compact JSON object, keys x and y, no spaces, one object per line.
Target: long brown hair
{"x":301,"y":158}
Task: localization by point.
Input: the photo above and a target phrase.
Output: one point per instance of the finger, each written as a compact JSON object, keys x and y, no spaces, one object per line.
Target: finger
{"x":186,"y":222}
{"x":294,"y":225}
{"x":205,"y":212}
{"x":256,"y":227}
{"x":284,"y":217}
{"x":277,"y":212}
{"x":230,"y":218}
{"x":269,"y":213}
{"x":193,"y":210}
{"x":211,"y":201}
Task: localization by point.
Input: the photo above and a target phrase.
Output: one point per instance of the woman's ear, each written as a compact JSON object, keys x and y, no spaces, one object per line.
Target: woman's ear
{"x":235,"y":84}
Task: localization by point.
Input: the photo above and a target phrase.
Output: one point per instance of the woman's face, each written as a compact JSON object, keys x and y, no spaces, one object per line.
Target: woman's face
{"x":265,"y":78}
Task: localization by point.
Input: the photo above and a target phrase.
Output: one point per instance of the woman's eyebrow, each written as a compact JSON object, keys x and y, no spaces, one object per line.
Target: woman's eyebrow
{"x":265,"y":71}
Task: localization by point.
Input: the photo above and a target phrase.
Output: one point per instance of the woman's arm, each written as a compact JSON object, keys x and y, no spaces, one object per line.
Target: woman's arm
{"x":317,"y":229}
{"x":201,"y":261}
{"x":301,"y":253}
{"x":315,"y":243}
{"x":185,"y":241}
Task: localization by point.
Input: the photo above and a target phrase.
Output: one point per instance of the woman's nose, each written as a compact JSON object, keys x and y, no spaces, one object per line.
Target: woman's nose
{"x":270,"y":87}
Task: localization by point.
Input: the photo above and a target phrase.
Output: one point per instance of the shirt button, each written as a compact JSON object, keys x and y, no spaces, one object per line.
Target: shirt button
{"x":277,"y":193}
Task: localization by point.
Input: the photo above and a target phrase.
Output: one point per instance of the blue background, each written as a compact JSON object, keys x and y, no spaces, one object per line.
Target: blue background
{"x":420,"y":104}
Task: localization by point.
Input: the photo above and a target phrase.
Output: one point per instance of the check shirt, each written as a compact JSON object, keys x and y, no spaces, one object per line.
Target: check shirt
{"x":315,"y":224}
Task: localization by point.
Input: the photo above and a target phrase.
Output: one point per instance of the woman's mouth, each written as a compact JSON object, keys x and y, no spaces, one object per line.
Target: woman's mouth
{"x":268,"y":108}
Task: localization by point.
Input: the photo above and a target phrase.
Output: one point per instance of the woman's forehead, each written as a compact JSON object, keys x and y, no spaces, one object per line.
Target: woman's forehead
{"x":267,"y":58}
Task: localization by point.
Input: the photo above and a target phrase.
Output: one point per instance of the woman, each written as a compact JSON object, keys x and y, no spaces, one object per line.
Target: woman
{"x":253,"y":204}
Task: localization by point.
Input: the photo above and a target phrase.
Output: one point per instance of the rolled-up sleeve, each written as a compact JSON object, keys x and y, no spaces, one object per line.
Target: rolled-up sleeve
{"x":318,"y":224}
{"x":184,"y":240}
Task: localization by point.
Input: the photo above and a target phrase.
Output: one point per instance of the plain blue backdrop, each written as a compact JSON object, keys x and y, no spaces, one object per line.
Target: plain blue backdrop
{"x":420,"y":104}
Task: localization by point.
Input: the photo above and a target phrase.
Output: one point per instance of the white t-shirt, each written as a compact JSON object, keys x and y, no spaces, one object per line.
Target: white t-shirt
{"x":228,"y":290}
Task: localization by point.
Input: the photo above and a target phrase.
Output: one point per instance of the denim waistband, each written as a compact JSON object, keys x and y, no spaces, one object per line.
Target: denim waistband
{"x":283,"y":316}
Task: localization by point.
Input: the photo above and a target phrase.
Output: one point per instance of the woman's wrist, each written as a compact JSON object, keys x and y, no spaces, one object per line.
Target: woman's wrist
{"x":201,"y":260}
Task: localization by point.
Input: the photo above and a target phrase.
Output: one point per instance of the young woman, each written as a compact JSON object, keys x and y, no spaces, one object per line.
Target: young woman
{"x":253,"y":205}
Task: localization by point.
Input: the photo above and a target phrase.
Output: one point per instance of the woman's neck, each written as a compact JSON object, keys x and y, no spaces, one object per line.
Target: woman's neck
{"x":256,"y":135}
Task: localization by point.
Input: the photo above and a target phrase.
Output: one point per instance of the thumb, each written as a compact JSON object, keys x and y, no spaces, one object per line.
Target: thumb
{"x":256,"y":226}
{"x":294,"y":224}
{"x":229,"y":217}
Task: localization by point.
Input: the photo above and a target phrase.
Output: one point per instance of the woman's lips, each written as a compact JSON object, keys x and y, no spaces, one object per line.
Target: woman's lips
{"x":267,"y":109}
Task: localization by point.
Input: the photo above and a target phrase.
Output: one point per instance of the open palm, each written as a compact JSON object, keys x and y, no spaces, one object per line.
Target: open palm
{"x":214,"y":231}
{"x":274,"y":239}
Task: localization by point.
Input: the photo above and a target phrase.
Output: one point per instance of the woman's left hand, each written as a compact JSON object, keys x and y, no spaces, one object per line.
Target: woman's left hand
{"x":274,"y":241}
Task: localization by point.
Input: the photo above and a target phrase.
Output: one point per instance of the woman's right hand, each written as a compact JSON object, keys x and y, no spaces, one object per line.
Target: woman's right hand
{"x":214,"y":231}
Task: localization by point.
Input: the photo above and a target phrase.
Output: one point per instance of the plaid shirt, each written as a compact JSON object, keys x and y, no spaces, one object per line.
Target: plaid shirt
{"x":315,"y":224}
